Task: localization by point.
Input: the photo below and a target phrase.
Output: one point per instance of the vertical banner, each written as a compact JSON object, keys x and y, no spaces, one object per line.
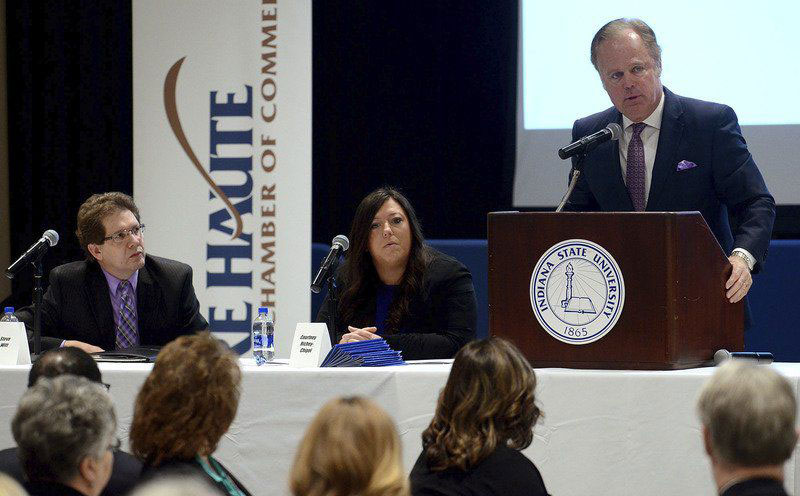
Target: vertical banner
{"x":222,"y":153}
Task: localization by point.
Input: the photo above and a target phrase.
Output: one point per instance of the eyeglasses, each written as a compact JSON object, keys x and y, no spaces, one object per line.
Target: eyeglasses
{"x":121,"y":236}
{"x":115,"y":445}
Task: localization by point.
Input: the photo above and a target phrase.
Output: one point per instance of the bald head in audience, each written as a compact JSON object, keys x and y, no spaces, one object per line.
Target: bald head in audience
{"x":748,"y":415}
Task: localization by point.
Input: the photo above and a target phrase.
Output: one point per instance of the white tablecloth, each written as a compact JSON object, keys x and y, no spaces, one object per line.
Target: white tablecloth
{"x":603,"y":432}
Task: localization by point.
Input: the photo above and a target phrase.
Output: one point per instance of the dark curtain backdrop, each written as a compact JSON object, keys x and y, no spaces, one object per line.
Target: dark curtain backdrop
{"x":419,"y":95}
{"x":70,"y":118}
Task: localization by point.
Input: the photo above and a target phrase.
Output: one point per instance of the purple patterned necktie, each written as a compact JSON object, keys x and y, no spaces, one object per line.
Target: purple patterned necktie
{"x":634,"y":172}
{"x":126,"y":331}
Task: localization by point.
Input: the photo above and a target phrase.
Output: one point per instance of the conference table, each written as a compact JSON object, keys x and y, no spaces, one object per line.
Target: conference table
{"x":603,"y":431}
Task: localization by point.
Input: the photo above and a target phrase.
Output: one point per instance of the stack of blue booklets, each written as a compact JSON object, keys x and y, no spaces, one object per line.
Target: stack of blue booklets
{"x":370,"y":353}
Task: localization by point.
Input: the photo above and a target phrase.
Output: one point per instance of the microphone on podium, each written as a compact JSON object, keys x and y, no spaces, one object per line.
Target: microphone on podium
{"x":760,"y":357}
{"x":586,"y":144}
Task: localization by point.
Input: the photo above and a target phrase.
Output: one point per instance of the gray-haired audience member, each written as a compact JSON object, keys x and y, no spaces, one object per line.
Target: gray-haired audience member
{"x":65,"y":429}
{"x":748,"y":415}
{"x":70,"y":360}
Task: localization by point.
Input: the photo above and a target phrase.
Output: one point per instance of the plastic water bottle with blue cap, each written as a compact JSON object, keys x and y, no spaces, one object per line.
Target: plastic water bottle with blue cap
{"x":262,"y":338}
{"x":8,"y":315}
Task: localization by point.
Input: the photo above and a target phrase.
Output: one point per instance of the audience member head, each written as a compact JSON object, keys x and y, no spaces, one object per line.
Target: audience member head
{"x":65,"y":430}
{"x":10,"y":487}
{"x":187,"y":402}
{"x":748,"y":415}
{"x":176,"y":485}
{"x":351,"y":448}
{"x":386,"y":246}
{"x":66,"y":360}
{"x":110,"y":233}
{"x":488,"y":401}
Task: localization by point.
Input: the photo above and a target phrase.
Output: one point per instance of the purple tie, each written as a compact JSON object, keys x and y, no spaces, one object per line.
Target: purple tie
{"x":126,"y":331}
{"x":634,"y":173}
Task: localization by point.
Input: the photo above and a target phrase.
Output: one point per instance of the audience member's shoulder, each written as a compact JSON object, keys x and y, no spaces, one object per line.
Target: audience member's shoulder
{"x":9,"y":464}
{"x":124,"y":474}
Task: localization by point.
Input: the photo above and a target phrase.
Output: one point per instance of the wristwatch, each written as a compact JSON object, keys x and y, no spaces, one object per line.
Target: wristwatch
{"x":747,"y":259}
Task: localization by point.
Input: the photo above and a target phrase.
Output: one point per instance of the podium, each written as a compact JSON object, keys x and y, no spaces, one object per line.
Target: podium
{"x":557,"y":282}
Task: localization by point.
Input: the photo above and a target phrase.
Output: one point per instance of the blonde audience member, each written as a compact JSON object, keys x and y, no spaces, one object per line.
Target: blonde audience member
{"x":351,"y":448}
{"x":10,"y":487}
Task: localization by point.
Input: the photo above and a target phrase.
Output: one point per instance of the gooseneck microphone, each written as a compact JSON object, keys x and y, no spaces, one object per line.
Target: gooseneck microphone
{"x":764,"y":357}
{"x":339,"y":245}
{"x":48,"y":239}
{"x":586,"y":144}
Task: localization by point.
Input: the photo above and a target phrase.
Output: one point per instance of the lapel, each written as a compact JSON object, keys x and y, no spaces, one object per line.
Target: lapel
{"x":97,"y":294}
{"x":669,"y":139}
{"x":148,"y":302}
{"x":607,"y":174}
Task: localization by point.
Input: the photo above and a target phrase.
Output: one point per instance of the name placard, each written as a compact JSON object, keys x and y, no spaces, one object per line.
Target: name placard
{"x":310,"y":345}
{"x":14,"y":344}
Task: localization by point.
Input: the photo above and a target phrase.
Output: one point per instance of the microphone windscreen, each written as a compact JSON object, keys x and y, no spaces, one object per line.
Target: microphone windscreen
{"x":342,"y":241}
{"x":616,"y":131}
{"x":51,"y":236}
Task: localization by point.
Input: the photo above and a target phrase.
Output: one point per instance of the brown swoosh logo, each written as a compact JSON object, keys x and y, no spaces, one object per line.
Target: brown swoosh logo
{"x":171,"y":108}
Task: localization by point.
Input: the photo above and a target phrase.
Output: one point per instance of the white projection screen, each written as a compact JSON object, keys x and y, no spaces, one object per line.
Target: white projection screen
{"x":740,"y":53}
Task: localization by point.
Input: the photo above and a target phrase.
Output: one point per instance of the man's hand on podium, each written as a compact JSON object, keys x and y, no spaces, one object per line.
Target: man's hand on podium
{"x":740,"y":281}
{"x":88,"y":348}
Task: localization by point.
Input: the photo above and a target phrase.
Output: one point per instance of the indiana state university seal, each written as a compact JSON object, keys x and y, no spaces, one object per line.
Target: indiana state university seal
{"x":577,"y":291}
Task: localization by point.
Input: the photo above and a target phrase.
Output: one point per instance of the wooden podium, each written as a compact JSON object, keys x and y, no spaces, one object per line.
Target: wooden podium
{"x":675,"y":314}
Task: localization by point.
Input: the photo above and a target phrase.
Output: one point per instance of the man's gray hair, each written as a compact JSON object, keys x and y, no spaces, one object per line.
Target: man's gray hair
{"x":58,"y":423}
{"x":749,"y":411}
{"x":616,"y":27}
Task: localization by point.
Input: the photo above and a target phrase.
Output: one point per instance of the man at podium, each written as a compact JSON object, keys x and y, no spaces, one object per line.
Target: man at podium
{"x":675,"y":154}
{"x":118,"y":297}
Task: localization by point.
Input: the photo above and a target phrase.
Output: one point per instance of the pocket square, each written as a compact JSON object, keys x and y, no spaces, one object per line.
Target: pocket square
{"x":685,"y":164}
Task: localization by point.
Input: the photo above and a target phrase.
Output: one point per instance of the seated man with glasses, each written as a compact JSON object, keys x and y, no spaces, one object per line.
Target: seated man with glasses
{"x":119,"y":297}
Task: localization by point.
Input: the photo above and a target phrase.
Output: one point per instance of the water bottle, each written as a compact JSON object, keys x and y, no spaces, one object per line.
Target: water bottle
{"x":9,"y":315}
{"x":262,"y":339}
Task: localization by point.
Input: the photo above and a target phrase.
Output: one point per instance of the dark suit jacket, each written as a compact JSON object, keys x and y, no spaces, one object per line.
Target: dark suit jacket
{"x":442,"y":317}
{"x":77,"y":304}
{"x":124,"y":473}
{"x":757,"y":487}
{"x":726,"y":186}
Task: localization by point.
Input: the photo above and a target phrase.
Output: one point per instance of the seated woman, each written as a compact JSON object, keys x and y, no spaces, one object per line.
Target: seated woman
{"x":393,"y":285}
{"x":351,"y":448}
{"x":484,"y":417}
{"x":184,"y":407}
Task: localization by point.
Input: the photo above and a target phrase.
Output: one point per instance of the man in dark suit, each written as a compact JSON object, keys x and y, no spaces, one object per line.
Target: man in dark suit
{"x":118,"y":297}
{"x":675,"y":154}
{"x":69,"y":360}
{"x":748,"y":415}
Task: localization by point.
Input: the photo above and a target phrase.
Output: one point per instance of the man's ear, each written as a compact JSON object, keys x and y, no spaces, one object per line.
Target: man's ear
{"x":707,"y":441}
{"x":95,"y":251}
{"x":88,"y":469}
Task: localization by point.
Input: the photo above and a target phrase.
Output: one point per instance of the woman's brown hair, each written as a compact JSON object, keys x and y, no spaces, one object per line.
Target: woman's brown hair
{"x":358,"y":272}
{"x":187,"y":402}
{"x":350,"y":448}
{"x":488,"y":401}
